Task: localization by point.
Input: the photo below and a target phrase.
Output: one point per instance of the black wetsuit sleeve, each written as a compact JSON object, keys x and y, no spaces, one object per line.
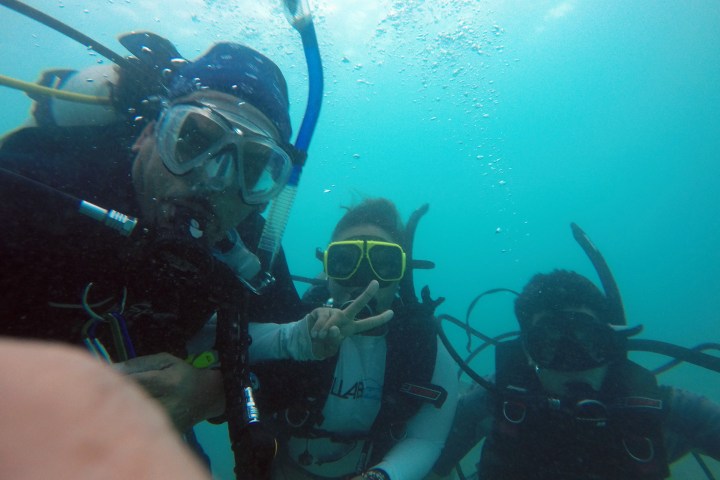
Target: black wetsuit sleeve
{"x":693,"y":424}
{"x":471,"y":424}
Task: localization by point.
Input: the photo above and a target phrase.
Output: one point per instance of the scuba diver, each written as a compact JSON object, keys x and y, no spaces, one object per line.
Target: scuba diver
{"x":377,"y":405}
{"x":178,"y":158}
{"x":207,"y":164}
{"x":565,"y":401}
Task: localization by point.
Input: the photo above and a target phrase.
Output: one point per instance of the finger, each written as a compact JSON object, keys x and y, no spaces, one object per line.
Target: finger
{"x":146,"y":363}
{"x":373,"y":322}
{"x":334,"y":332}
{"x":359,"y":303}
{"x":321,"y":318}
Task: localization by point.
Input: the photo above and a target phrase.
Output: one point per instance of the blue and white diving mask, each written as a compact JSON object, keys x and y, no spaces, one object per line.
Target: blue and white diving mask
{"x":225,"y":149}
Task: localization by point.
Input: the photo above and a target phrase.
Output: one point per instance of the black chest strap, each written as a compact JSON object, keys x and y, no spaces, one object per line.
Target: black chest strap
{"x":296,"y":392}
{"x":614,"y":434}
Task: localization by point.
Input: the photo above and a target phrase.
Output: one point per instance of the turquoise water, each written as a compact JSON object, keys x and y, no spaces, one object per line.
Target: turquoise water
{"x":511,"y":119}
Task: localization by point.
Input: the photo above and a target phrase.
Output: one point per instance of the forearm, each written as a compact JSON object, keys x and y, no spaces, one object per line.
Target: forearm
{"x":413,"y":457}
{"x":272,"y":341}
{"x":410,"y":459}
{"x":694,"y":424}
{"x":471,"y":424}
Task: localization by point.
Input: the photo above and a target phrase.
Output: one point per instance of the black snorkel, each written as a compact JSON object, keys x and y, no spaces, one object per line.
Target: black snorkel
{"x":407,"y":284}
{"x":612,"y":293}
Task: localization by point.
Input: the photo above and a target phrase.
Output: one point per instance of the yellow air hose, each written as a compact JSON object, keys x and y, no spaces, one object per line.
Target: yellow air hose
{"x":54,"y":92}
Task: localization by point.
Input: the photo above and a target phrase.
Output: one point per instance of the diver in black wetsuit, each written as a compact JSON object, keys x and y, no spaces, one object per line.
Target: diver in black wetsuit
{"x":191,"y":152}
{"x":568,"y":404}
{"x":204,"y":168}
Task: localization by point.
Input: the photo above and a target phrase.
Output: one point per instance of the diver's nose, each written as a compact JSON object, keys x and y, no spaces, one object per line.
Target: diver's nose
{"x":355,"y":292}
{"x":220,"y":170}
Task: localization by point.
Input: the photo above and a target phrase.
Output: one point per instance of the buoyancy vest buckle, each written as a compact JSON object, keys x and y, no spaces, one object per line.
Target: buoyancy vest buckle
{"x":590,"y":411}
{"x":640,"y":449}
{"x":514,"y":411}
{"x":296,"y":418}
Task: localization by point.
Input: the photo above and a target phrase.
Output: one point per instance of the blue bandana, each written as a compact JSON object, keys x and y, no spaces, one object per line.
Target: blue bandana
{"x":240,"y":71}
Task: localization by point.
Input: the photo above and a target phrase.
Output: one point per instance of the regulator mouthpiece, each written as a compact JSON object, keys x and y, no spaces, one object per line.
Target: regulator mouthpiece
{"x":233,"y":253}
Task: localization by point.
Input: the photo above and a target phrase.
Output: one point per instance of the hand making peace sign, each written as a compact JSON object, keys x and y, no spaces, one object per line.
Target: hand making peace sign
{"x":330,"y":326}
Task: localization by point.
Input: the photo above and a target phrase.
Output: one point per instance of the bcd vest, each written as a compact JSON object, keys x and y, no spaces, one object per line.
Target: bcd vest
{"x":616,"y":434}
{"x":296,"y":392}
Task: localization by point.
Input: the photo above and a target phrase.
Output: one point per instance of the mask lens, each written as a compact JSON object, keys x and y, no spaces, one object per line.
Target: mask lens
{"x":197,"y":135}
{"x":192,"y":135}
{"x":570,"y":341}
{"x":542,"y":345}
{"x":342,"y":259}
{"x":596,"y":339}
{"x":220,"y":171}
{"x":187,"y":135}
{"x":265,"y":170}
{"x":386,"y":261}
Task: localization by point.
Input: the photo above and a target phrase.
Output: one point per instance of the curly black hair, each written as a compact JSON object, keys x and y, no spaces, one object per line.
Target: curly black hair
{"x":559,"y":290}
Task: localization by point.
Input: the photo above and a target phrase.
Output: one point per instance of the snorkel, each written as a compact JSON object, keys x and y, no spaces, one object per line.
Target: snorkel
{"x":680,"y":354}
{"x":163,"y":60}
{"x":253,"y":446}
{"x":298,"y":15}
{"x":612,"y":292}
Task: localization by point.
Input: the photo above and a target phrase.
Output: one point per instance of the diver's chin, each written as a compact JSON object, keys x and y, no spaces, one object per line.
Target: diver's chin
{"x":347,"y":295}
{"x":192,"y":217}
{"x":367,"y":311}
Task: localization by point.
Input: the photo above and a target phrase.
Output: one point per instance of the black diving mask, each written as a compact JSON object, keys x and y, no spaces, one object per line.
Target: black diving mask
{"x":572,"y":341}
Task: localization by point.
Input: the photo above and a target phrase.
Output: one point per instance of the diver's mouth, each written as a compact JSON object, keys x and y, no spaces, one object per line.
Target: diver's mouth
{"x":368,"y":310}
{"x":196,"y":214}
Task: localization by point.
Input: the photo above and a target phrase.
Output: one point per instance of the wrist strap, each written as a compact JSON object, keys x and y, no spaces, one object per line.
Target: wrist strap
{"x":375,"y":474}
